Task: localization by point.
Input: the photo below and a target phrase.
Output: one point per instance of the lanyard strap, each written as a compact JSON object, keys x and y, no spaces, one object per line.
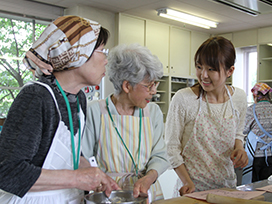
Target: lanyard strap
{"x":75,"y":160}
{"x":140,"y":132}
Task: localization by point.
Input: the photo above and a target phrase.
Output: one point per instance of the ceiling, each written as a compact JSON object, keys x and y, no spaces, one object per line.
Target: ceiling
{"x":229,"y":19}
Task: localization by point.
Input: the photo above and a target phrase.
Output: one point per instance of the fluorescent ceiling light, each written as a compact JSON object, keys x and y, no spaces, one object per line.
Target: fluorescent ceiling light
{"x":270,"y":44}
{"x":186,"y":18}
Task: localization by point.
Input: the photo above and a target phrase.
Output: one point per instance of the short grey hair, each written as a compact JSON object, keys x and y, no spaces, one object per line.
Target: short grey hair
{"x":132,"y":63}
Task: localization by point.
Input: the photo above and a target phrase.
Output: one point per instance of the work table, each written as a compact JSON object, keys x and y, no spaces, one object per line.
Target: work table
{"x":248,"y":187}
{"x":258,"y":184}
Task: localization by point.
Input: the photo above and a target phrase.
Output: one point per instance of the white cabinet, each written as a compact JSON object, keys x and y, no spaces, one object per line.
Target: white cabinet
{"x":196,"y":40}
{"x":179,"y":52}
{"x":130,"y":30}
{"x":264,"y":35}
{"x":245,"y":38}
{"x":265,"y":64}
{"x":174,"y":46}
{"x":157,"y":40}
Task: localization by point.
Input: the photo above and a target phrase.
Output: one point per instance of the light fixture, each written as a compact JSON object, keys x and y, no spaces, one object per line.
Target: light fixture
{"x":186,"y":18}
{"x":269,"y":44}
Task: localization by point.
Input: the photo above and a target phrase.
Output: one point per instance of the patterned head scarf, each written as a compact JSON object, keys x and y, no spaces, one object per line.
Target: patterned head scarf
{"x":261,"y":87}
{"x":67,"y":43}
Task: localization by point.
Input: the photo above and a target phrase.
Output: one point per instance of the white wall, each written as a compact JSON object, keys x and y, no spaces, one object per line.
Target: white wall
{"x":107,"y":20}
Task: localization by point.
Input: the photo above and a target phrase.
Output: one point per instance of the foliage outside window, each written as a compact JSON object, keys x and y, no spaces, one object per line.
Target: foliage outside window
{"x":16,"y":37}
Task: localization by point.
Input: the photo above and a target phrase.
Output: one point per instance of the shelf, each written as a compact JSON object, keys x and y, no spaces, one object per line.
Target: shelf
{"x":178,"y":82}
{"x":159,"y":102}
{"x":267,"y":58}
{"x":161,"y":91}
{"x":268,"y":80}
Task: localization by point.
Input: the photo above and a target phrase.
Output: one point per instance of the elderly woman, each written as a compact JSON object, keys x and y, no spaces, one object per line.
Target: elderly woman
{"x":126,"y":128}
{"x":40,"y":144}
{"x":259,"y":135}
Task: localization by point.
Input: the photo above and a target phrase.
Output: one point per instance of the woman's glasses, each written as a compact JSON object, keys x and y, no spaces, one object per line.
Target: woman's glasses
{"x":149,"y":87}
{"x":104,"y":51}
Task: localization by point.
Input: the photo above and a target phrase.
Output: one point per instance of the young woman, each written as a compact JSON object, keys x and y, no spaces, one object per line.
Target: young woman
{"x":205,"y":122}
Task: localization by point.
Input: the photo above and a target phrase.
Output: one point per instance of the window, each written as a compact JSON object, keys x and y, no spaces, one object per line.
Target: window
{"x":16,"y":37}
{"x":245,"y":74}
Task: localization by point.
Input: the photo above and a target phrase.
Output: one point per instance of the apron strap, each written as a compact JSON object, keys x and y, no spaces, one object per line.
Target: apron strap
{"x":50,"y":91}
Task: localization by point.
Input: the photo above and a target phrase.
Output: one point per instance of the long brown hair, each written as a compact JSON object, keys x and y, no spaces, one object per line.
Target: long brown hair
{"x":215,"y":52}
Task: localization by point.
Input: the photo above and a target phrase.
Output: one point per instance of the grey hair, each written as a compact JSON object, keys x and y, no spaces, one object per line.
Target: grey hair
{"x":132,"y":63}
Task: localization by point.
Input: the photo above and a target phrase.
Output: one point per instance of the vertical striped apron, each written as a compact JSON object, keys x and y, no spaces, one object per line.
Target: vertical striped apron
{"x":113,"y":158}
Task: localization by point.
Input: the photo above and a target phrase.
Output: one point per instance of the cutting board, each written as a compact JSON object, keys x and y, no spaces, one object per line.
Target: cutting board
{"x":187,"y":200}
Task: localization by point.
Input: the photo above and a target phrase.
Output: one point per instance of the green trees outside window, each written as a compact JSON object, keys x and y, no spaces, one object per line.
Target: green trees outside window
{"x":16,"y":37}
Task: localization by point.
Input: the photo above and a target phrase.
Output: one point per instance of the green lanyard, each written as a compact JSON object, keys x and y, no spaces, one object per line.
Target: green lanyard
{"x":140,"y":132}
{"x":264,"y":101}
{"x":75,"y":160}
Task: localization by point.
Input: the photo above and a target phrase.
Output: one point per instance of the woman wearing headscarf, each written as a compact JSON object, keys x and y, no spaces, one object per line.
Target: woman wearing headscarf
{"x":258,"y":127}
{"x":126,"y":128}
{"x":40,"y":143}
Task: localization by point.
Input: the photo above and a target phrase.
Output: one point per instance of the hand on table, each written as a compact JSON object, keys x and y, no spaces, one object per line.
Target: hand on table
{"x":187,"y":188}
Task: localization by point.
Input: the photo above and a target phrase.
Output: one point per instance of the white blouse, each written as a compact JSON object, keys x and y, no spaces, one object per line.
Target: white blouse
{"x":181,"y":117}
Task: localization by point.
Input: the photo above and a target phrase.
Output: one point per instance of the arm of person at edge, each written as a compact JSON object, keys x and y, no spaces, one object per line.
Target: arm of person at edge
{"x":239,"y":155}
{"x":85,"y":178}
{"x":157,"y":163}
{"x":175,"y":125}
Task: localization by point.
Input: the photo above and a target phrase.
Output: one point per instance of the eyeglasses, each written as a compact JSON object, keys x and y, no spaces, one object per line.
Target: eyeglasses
{"x":104,"y":51}
{"x":149,"y":87}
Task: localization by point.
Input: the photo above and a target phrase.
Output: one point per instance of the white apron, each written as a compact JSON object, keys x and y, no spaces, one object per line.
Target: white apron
{"x":113,"y":158}
{"x":59,"y":157}
{"x":207,"y":152}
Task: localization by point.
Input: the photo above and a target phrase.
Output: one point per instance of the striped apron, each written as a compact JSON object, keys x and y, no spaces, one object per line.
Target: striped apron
{"x":250,"y":147}
{"x":113,"y":158}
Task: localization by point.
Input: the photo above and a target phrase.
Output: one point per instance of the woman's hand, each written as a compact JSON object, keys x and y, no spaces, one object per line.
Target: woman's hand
{"x":144,"y":183}
{"x":188,"y":185}
{"x":93,"y":178}
{"x":239,"y":155}
{"x":84,"y":163}
{"x":187,"y":188}
{"x":239,"y":158}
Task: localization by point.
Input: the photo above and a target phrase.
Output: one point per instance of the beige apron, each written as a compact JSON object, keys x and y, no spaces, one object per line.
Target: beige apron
{"x":59,"y":157}
{"x":207,"y":152}
{"x":112,"y":157}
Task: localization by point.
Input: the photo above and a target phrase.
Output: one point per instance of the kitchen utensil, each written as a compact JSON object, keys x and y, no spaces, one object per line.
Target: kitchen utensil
{"x":107,"y":199}
{"x":122,"y":197}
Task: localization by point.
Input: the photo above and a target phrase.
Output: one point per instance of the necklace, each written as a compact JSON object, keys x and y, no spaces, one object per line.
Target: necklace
{"x":75,"y":160}
{"x":140,"y":132}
